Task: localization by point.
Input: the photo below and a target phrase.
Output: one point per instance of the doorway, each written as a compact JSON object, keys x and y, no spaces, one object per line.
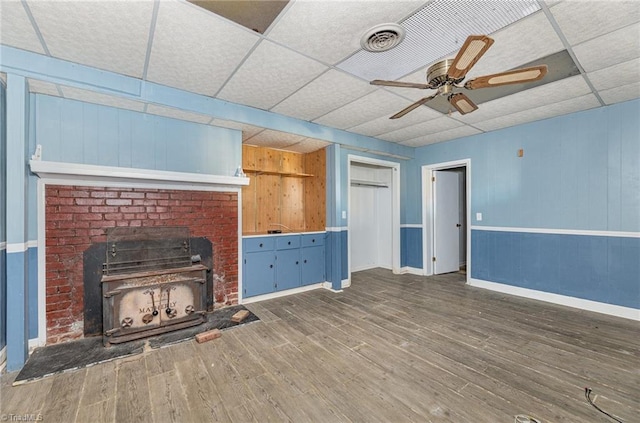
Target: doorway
{"x":446,"y":217}
{"x":374,"y":214}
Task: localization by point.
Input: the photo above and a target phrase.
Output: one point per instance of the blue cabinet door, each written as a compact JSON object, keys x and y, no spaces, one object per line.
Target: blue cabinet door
{"x":287,"y":269}
{"x":313,"y":265}
{"x":258,"y":273}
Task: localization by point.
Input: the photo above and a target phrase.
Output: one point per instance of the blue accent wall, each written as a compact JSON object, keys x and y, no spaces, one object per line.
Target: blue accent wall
{"x":32,"y":294}
{"x":411,"y":247}
{"x":597,"y":268}
{"x":579,"y":172}
{"x":77,"y":132}
{"x":3,"y":216}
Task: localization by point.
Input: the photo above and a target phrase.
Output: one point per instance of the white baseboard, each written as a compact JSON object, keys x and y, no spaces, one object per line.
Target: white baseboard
{"x":35,"y":343}
{"x":604,"y":308}
{"x":411,"y":271}
{"x":343,"y":284}
{"x":279,"y":294}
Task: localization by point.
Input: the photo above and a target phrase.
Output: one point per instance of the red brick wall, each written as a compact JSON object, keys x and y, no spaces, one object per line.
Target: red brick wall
{"x":78,"y":216}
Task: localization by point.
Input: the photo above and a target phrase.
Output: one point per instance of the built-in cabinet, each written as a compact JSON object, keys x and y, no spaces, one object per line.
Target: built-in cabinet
{"x":279,"y":262}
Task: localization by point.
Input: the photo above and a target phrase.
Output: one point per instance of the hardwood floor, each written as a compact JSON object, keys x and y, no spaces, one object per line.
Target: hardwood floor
{"x":388,"y":349}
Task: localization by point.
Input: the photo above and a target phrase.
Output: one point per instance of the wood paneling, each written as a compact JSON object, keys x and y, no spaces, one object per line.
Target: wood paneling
{"x":286,"y":190}
{"x":315,"y":191}
{"x":267,"y":202}
{"x":249,"y":202}
{"x":293,"y":206}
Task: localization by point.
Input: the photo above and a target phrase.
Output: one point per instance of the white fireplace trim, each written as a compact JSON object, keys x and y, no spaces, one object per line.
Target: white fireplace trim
{"x":58,"y":173}
{"x":74,"y":172}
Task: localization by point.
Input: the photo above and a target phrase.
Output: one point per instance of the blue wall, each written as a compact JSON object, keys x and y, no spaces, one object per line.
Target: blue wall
{"x":3,"y":220}
{"x":579,"y":172}
{"x":76,"y":132}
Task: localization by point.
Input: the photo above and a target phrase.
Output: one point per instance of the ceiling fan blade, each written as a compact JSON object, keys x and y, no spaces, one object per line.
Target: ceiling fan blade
{"x":462,"y":103}
{"x":470,"y":52}
{"x":399,"y":84}
{"x":413,"y":106}
{"x":517,"y":76}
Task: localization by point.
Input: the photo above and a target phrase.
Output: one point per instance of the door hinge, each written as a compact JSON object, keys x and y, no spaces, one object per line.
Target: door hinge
{"x":433,"y":259}
{"x":433,"y":179}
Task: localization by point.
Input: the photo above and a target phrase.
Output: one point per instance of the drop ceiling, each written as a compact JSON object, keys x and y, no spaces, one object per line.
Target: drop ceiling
{"x":303,"y":58}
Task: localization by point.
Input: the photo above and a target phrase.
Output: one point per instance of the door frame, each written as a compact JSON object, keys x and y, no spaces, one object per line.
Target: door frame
{"x":428,"y":212}
{"x":395,"y":207}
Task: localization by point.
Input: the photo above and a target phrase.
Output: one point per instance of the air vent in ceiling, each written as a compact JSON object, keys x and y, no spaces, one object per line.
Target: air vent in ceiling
{"x":382,"y":37}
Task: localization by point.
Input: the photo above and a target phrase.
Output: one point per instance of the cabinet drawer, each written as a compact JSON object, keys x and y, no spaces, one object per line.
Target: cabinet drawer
{"x":287,"y":242}
{"x":258,"y":244}
{"x":312,"y":240}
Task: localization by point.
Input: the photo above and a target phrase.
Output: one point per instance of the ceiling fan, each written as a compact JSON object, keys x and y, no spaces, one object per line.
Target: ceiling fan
{"x":446,"y":76}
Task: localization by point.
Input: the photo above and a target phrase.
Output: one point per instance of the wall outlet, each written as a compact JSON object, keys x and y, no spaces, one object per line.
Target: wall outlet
{"x":479,"y":217}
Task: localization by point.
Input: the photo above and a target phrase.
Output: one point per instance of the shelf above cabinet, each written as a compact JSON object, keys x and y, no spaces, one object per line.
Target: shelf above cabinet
{"x":269,"y":172}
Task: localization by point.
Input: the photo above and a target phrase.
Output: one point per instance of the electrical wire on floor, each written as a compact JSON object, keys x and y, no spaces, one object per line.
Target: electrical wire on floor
{"x":522,"y":418}
{"x":587,"y":395}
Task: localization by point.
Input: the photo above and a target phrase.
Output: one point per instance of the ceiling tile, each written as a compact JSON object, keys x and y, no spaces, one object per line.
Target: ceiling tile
{"x":584,"y":102}
{"x":616,"y":75}
{"x":374,"y":105}
{"x":247,"y":130}
{"x":435,"y":31}
{"x":308,"y":145}
{"x":621,"y":93}
{"x":580,"y":21}
{"x":269,"y":75}
{"x":515,"y":46}
{"x":383,"y":124}
{"x":440,"y":124}
{"x":553,"y":92}
{"x":16,"y":29}
{"x":109,"y":35}
{"x":170,"y":112}
{"x":451,"y":134}
{"x":323,"y":95}
{"x":42,"y":87}
{"x":616,"y":47}
{"x":332,"y":29}
{"x":274,"y":139}
{"x":99,"y":98}
{"x":195,"y":50}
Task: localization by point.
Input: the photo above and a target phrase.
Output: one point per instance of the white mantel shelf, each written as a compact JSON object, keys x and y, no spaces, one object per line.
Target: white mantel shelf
{"x":81,"y":172}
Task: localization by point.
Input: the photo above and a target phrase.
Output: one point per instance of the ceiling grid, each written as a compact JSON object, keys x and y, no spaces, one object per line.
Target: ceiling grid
{"x":308,"y":64}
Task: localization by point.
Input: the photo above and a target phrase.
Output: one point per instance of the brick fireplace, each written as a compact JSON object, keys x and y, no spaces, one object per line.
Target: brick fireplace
{"x":77,"y":217}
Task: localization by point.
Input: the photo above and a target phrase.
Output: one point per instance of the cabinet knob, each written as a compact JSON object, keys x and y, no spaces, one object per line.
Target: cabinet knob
{"x":297,"y":262}
{"x":289,"y":243}
{"x":261,"y":245}
{"x":313,"y":240}
{"x":305,"y":261}
{"x":271,"y":266}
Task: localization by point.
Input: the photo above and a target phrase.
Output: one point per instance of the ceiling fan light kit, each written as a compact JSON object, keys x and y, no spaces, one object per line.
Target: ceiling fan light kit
{"x":447,"y":75}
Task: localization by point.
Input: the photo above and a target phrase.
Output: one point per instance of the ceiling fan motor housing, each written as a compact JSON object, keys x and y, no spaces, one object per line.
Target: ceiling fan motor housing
{"x":437,"y":73}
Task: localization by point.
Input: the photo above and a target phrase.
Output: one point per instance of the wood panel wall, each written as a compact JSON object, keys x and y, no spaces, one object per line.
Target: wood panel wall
{"x":286,"y":190}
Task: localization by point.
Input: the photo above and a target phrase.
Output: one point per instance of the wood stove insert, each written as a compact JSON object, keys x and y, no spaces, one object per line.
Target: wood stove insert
{"x":151,"y":283}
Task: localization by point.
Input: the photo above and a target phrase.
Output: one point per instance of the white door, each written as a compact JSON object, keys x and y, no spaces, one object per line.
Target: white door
{"x":446,"y":226}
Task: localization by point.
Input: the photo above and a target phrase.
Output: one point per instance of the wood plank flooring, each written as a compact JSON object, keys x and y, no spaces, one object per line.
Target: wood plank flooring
{"x":391,"y":348}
